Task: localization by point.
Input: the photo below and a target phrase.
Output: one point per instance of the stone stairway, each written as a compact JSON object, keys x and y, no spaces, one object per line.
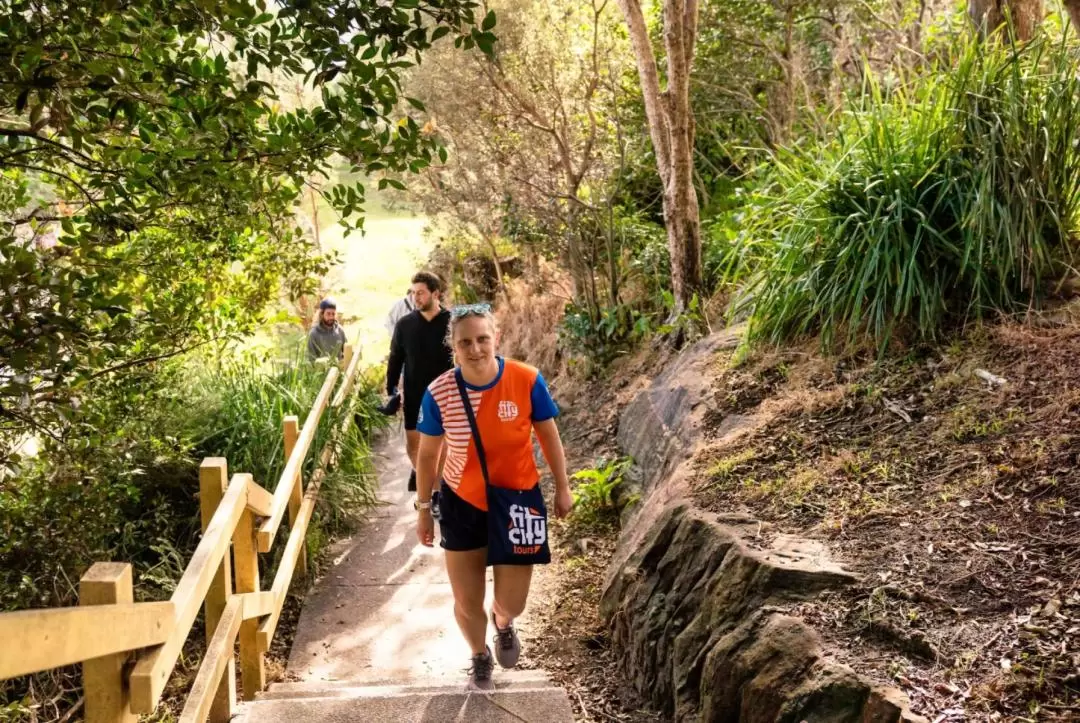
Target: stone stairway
{"x":377,"y":641}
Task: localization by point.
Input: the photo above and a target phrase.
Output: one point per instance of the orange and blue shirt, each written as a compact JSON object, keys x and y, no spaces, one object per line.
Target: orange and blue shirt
{"x":505,"y":411}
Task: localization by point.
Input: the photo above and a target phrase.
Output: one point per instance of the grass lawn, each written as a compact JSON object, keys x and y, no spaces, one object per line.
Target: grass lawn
{"x":374,"y":272}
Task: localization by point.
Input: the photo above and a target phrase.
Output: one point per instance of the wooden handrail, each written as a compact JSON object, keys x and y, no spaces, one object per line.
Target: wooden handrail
{"x":351,"y":365}
{"x":293,"y":554}
{"x":292,"y":469}
{"x":219,"y":652}
{"x":36,"y":640}
{"x":108,"y":627}
{"x":259,"y":499}
{"x":152,"y":671}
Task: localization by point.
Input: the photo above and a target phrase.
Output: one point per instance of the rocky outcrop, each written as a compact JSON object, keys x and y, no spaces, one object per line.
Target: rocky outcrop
{"x":663,"y":423}
{"x":696,"y":614}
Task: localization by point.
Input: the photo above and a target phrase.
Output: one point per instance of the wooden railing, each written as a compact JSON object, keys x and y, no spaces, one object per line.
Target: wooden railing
{"x":128,"y":650}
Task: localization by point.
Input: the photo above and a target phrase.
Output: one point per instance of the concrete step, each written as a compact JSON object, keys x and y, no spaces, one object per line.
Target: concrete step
{"x":505,"y":681}
{"x":520,"y":697}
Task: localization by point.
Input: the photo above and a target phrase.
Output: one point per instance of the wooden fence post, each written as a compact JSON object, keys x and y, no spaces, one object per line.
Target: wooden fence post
{"x":104,"y":681}
{"x":246,"y":565}
{"x":213,"y":480}
{"x":292,"y":434}
{"x":347,"y":359}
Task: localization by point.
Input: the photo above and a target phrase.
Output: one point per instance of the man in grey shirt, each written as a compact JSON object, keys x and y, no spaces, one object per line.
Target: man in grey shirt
{"x":327,"y":337}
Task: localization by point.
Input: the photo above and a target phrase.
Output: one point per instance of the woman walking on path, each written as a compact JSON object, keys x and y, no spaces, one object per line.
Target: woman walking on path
{"x":491,"y":511}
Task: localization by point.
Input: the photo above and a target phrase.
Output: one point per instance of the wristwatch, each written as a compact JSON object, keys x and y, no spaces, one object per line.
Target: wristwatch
{"x":418,"y":505}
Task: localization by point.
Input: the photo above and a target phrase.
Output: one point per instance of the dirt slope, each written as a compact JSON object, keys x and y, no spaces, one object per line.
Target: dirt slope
{"x":947,"y":480}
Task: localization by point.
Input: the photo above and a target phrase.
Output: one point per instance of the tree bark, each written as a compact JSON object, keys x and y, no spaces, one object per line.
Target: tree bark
{"x":671,"y":128}
{"x":1073,"y":7}
{"x":1026,"y":15}
{"x":489,"y":239}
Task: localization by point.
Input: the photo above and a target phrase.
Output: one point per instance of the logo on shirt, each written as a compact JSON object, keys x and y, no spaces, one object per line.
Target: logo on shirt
{"x":420,"y":416}
{"x":508,"y":411}
{"x":528,"y":530}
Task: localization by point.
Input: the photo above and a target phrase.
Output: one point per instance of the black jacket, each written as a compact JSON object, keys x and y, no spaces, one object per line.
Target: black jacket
{"x":420,"y":346}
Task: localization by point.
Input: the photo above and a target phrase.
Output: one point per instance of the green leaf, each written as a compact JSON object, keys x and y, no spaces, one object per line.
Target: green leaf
{"x":489,"y":21}
{"x":416,"y":104}
{"x":486,"y":43}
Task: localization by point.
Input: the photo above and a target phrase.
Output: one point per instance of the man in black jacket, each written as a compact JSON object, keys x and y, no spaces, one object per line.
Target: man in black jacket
{"x":419,"y":344}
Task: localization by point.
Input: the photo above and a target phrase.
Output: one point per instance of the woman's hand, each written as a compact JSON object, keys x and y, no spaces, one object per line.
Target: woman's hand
{"x":425,"y":528}
{"x":564,"y":501}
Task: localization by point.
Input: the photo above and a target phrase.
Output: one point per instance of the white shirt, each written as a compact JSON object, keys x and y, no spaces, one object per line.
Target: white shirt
{"x":401,"y":308}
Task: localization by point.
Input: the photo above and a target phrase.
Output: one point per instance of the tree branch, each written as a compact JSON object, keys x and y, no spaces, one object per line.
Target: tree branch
{"x":143,"y":361}
{"x":41,"y":169}
{"x":68,"y":151}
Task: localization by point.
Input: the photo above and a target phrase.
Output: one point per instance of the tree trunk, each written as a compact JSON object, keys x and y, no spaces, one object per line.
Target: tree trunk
{"x":1073,"y":6}
{"x":490,"y":240}
{"x":1025,"y":15}
{"x":315,"y":219}
{"x":671,"y":128}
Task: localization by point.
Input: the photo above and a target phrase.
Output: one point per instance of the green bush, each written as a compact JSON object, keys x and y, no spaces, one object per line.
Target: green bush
{"x":239,"y":408}
{"x":593,"y":504}
{"x":604,"y":333}
{"x":943,"y":200}
{"x":118,"y":481}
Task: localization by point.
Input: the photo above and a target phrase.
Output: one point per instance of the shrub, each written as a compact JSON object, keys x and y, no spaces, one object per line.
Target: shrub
{"x":593,"y":504}
{"x":942,"y":200}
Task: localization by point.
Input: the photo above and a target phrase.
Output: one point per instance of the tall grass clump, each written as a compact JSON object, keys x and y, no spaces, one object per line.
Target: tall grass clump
{"x":242,"y":405}
{"x":943,"y":199}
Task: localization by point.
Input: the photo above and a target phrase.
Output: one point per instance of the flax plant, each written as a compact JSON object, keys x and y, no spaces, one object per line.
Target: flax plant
{"x":946,"y":198}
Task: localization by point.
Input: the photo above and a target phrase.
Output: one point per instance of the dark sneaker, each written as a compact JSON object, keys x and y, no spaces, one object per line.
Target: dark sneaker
{"x":480,"y":673}
{"x":412,"y":481}
{"x":393,"y":404}
{"x":507,"y":645}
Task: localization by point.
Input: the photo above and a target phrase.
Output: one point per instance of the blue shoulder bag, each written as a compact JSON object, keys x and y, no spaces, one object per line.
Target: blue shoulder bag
{"x":517,"y":519}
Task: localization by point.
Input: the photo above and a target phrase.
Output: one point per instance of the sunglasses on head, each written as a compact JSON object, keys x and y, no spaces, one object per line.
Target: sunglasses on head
{"x":470,"y":309}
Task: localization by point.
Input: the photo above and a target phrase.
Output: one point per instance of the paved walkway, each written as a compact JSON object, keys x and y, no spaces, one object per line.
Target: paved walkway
{"x":377,"y":641}
{"x":383,"y":611}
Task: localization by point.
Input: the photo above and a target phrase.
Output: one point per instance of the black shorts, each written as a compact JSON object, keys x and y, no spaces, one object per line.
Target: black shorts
{"x":463,"y":526}
{"x":412,"y":413}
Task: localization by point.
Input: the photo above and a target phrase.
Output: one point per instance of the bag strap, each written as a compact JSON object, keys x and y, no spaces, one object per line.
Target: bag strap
{"x":472,"y":424}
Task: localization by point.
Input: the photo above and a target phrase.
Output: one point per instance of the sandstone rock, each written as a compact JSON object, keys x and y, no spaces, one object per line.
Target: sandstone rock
{"x":693,"y":613}
{"x":696,"y":614}
{"x":664,"y":421}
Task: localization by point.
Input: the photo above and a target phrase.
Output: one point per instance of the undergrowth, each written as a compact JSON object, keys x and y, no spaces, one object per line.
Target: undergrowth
{"x":594,"y":505}
{"x":943,"y":198}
